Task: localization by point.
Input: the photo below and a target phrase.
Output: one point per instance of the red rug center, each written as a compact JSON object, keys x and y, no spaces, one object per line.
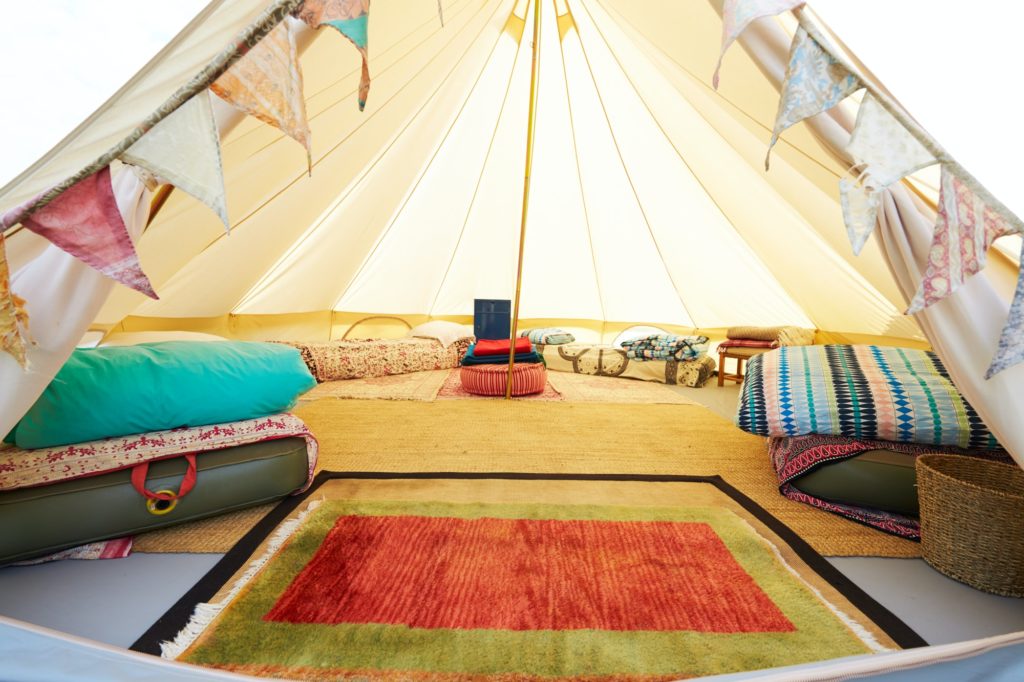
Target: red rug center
{"x":520,"y":574}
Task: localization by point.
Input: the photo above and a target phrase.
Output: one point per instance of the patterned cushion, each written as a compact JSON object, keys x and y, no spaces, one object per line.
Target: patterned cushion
{"x":527,"y":379}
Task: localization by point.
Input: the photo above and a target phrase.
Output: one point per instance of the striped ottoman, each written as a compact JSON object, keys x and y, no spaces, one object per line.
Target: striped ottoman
{"x":527,"y":379}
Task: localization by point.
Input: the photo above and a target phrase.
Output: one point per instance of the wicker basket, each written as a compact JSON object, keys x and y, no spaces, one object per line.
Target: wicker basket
{"x":972,"y":521}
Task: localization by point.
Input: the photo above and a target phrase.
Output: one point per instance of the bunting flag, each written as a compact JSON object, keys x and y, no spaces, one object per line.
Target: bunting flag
{"x":86,"y":222}
{"x":965,"y":229}
{"x":267,"y":83}
{"x":815,"y":82}
{"x":351,"y":19}
{"x":13,"y":317}
{"x":1011,"y":342}
{"x":889,"y":153}
{"x":184,"y":150}
{"x":889,"y":150}
{"x":737,"y":15}
{"x":860,"y":211}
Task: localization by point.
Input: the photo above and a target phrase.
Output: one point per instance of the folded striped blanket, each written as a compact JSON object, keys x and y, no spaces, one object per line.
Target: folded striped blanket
{"x":548,"y":336}
{"x":666,"y":347}
{"x":862,"y":392}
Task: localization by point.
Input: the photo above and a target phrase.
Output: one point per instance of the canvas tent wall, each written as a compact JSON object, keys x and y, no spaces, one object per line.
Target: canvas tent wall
{"x":649,"y":205}
{"x":412,"y":205}
{"x":644,"y":180}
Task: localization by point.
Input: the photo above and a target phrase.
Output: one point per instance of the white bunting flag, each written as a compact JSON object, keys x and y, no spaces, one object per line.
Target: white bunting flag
{"x":184,"y":150}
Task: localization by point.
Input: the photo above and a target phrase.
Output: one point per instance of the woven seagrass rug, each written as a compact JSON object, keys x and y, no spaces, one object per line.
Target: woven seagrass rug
{"x":444,"y":384}
{"x":544,"y":438}
{"x":431,"y":576}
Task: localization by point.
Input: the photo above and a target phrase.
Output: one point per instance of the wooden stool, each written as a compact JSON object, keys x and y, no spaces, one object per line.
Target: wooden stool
{"x":740,"y":355}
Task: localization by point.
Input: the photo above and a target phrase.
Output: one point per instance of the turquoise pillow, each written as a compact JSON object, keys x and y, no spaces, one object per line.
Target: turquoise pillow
{"x":117,"y":391}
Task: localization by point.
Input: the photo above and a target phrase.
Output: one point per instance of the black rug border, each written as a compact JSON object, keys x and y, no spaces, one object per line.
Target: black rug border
{"x":177,"y":617}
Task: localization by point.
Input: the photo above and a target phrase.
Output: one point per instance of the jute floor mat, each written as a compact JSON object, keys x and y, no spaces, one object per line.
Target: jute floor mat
{"x":499,"y":436}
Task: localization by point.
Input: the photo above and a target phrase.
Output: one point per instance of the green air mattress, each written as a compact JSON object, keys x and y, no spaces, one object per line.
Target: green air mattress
{"x":879,"y":479}
{"x":45,"y":519}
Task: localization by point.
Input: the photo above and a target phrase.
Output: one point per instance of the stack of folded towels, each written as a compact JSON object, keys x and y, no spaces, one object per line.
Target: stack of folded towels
{"x":765,"y":337}
{"x":496,"y":352}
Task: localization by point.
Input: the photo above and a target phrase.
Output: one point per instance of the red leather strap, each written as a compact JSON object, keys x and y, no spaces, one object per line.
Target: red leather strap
{"x":140,"y":471}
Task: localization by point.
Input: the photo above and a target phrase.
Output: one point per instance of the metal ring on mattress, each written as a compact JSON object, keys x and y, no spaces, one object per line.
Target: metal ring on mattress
{"x":158,"y":507}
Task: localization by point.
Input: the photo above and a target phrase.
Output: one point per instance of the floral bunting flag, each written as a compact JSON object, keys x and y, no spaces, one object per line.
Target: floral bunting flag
{"x":860,"y":211}
{"x":13,"y":318}
{"x":965,"y":229}
{"x":86,"y":222}
{"x":267,"y":83}
{"x":184,"y":150}
{"x":1011,"y":342}
{"x":880,"y":141}
{"x":888,"y":153}
{"x":351,"y":19}
{"x":815,"y":82}
{"x":737,"y":15}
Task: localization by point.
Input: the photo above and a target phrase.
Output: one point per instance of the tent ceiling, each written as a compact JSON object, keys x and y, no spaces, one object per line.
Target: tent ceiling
{"x":649,"y":201}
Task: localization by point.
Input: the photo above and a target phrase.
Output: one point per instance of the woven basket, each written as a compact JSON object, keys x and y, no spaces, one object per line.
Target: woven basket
{"x":972,"y":521}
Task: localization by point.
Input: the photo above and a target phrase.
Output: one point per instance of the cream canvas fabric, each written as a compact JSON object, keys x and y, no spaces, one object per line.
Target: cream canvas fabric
{"x":650,"y":204}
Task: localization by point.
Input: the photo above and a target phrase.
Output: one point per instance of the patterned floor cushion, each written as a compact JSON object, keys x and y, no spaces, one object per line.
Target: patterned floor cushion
{"x":527,"y":379}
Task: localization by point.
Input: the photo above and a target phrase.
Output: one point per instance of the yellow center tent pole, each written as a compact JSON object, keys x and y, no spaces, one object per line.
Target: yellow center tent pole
{"x":534,"y":75}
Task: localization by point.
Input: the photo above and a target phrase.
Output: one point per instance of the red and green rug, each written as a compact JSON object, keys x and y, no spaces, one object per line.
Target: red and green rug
{"x":478,"y":578}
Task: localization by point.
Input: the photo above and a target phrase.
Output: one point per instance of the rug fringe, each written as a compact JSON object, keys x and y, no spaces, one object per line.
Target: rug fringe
{"x":859,"y":630}
{"x":205,"y":613}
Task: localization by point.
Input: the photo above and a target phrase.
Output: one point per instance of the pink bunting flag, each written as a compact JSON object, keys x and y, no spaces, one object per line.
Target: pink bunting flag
{"x":85,"y":222}
{"x":965,"y":229}
{"x":13,"y":318}
{"x":267,"y":83}
{"x":737,"y":15}
{"x":351,"y":19}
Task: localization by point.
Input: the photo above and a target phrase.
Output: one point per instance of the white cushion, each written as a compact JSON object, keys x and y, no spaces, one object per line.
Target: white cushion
{"x":132,"y":338}
{"x":637,"y":332}
{"x":445,"y":332}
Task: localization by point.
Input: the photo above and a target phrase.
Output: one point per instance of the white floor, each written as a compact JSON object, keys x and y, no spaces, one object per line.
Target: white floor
{"x":116,"y":601}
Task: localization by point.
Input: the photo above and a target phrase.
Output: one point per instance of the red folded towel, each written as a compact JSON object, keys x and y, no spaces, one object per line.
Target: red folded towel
{"x":500,"y":346}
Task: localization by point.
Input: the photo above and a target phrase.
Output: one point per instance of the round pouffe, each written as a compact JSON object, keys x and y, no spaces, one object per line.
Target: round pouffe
{"x":527,"y":379}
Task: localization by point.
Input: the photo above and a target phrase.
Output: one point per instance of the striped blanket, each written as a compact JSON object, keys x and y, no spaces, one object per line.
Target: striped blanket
{"x":862,"y":392}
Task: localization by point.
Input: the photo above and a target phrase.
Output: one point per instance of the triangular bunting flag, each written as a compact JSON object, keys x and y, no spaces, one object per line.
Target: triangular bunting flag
{"x":85,"y":222}
{"x":965,"y":229}
{"x":860,"y":211}
{"x":184,"y":150}
{"x":737,"y":15}
{"x":13,"y":317}
{"x":815,"y":82}
{"x":880,"y":141}
{"x":1011,"y":342}
{"x":267,"y":83}
{"x":351,"y":19}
